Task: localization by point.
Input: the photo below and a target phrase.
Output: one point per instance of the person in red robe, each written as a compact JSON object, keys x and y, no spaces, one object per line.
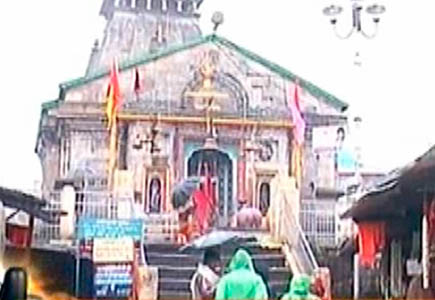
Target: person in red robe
{"x":204,"y":204}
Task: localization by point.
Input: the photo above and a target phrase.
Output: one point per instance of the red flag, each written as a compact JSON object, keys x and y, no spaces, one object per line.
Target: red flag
{"x":113,"y":95}
{"x":298,"y":120}
{"x":113,"y":104}
{"x":137,"y":83}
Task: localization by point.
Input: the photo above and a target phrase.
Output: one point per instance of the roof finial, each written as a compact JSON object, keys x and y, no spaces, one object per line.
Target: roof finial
{"x":217,"y":19}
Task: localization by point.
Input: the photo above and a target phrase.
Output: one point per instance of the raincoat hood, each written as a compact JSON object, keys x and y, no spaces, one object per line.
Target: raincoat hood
{"x":241,"y":260}
{"x":241,"y":282}
{"x":299,"y":288}
{"x":300,"y":285}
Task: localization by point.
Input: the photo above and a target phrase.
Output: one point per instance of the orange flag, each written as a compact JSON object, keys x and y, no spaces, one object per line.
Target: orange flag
{"x":113,"y":103}
{"x":113,"y":95}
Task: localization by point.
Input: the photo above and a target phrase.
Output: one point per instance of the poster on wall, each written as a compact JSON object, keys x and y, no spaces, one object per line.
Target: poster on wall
{"x":327,"y":137}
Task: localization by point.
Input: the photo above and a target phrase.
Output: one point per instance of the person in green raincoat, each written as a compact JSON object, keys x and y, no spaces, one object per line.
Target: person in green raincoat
{"x":300,"y":286}
{"x":241,"y":283}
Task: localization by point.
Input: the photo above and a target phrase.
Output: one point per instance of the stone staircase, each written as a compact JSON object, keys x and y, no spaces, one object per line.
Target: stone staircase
{"x":176,"y":269}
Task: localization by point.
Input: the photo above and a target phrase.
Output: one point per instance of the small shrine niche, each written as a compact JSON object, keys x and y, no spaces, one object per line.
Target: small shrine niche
{"x":154,"y":204}
{"x":264,"y":198}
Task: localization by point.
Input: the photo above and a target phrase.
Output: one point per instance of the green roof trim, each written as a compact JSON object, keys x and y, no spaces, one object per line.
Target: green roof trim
{"x":310,"y":87}
{"x":135,"y":62}
{"x":45,"y":106}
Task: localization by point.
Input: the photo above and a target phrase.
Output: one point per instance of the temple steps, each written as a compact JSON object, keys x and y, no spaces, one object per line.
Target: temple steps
{"x":183,"y":285}
{"x":175,"y":269}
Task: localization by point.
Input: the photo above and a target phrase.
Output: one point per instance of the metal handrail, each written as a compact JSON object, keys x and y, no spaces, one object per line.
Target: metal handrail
{"x":302,"y":241}
{"x":296,"y":239}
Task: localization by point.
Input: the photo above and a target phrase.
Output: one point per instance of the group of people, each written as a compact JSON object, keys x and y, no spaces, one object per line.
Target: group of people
{"x":243,"y":279}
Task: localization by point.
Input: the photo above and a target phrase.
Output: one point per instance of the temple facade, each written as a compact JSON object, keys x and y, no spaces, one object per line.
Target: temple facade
{"x":192,"y":105}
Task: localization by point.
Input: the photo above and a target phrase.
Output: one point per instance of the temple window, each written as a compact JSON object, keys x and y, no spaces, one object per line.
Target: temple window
{"x":158,"y":41}
{"x":140,"y":3}
{"x":65,"y":156}
{"x":257,"y":95}
{"x":123,"y":148}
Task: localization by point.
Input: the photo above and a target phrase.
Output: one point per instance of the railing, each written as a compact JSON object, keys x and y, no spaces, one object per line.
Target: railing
{"x":298,"y":249}
{"x":320,"y":222}
{"x":161,"y":227}
{"x":44,"y":233}
{"x":104,"y":205}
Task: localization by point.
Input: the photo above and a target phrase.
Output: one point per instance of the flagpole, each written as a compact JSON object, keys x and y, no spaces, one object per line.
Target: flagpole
{"x":112,"y":153}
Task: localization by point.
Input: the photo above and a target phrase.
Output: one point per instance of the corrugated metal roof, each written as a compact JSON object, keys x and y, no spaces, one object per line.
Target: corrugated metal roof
{"x":410,"y":177}
{"x":27,"y":203}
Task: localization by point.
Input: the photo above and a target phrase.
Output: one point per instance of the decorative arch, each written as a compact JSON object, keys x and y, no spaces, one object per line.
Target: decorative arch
{"x":224,"y":83}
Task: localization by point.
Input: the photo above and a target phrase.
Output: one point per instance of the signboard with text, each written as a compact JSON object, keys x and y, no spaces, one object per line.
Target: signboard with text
{"x":89,"y":229}
{"x":113,"y":281}
{"x":113,"y":250}
{"x":111,"y":246}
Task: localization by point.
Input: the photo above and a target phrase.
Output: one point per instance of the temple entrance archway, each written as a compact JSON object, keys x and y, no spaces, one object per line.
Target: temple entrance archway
{"x":218,"y":165}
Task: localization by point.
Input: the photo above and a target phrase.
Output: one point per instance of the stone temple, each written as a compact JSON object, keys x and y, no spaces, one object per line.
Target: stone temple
{"x":206,"y":106}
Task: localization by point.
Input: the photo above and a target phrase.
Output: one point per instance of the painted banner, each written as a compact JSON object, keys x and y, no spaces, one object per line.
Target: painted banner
{"x":326,"y":137}
{"x":89,"y":228}
{"x":113,"y":250}
{"x":113,"y":281}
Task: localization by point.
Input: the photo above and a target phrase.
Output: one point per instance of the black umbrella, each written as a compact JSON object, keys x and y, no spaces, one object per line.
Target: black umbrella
{"x":182,"y":191}
{"x":210,"y":240}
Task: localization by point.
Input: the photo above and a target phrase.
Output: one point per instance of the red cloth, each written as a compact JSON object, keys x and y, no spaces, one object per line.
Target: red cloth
{"x":431,"y":223}
{"x":202,"y":209}
{"x":371,"y":239}
{"x":17,"y":235}
{"x":322,"y":283}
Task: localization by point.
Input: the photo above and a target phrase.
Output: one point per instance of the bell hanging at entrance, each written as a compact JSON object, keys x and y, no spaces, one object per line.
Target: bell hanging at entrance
{"x":210,"y":144}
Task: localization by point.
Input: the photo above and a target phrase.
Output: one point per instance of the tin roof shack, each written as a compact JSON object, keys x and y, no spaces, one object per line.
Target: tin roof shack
{"x":396,"y":224}
{"x":33,"y":206}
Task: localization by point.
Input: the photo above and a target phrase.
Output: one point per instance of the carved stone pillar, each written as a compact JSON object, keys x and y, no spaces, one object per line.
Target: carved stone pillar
{"x":241,"y":174}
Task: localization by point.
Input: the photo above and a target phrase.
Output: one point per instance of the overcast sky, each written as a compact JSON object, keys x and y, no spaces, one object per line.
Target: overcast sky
{"x":49,"y":41}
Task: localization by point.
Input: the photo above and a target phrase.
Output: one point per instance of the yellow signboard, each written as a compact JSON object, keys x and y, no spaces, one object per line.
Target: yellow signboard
{"x":113,"y":250}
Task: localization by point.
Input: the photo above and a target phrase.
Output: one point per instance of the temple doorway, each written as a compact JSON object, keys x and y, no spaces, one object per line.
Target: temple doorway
{"x":217,"y":166}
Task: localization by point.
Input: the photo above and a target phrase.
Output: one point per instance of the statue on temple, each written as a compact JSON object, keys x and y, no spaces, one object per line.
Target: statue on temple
{"x":155,"y":195}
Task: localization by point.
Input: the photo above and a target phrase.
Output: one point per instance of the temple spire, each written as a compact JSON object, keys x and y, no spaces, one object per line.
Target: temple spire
{"x":137,"y":27}
{"x":182,"y":8}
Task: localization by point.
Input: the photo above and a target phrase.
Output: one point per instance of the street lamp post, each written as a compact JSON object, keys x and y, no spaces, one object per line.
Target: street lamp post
{"x":375,"y":10}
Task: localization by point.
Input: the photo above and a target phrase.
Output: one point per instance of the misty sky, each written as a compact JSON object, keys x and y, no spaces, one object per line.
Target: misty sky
{"x":49,"y":41}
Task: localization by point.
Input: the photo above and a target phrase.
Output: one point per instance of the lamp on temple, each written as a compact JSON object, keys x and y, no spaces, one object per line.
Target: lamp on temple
{"x":375,"y":10}
{"x":210,"y":144}
{"x":217,"y":19}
